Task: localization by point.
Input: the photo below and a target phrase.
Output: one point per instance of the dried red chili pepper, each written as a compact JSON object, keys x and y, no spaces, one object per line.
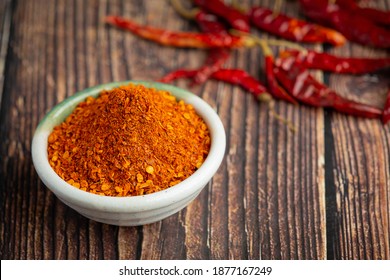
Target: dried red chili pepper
{"x":353,"y":26}
{"x":180,"y":39}
{"x":317,"y":10}
{"x":327,"y":62}
{"x":178,"y":74}
{"x":305,"y":88}
{"x":208,"y":23}
{"x":214,"y":61}
{"x":243,"y":79}
{"x":364,"y":32}
{"x":235,"y":18}
{"x":275,"y":89}
{"x":255,"y":87}
{"x":386,"y":110}
{"x":375,"y":15}
{"x":232,"y":76}
{"x":216,"y":57}
{"x":292,"y":28}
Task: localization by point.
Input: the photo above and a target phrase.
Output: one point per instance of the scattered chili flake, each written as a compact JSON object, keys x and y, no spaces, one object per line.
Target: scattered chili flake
{"x":149,"y":169}
{"x":131,"y":140}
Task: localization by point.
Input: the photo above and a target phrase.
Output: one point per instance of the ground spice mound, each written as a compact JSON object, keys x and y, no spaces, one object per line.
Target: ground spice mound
{"x":131,"y":140}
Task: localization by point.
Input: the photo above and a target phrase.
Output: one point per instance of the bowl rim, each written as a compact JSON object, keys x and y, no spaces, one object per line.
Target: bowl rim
{"x":75,"y":196}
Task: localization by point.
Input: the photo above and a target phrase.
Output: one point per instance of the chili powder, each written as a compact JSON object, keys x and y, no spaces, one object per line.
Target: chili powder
{"x":129,"y":141}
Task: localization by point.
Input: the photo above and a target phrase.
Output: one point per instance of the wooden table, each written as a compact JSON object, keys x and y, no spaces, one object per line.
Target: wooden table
{"x":322,"y":192}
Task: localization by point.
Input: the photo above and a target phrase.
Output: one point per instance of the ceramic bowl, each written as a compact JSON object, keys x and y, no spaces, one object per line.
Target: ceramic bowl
{"x":134,"y":210}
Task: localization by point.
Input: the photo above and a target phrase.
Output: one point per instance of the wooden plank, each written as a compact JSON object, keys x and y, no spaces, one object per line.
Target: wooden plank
{"x":5,"y":16}
{"x":12,"y":151}
{"x":5,"y":26}
{"x":291,"y":183}
{"x":360,"y":154}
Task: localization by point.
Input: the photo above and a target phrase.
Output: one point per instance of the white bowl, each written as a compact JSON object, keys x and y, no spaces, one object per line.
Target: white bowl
{"x":133,"y":210}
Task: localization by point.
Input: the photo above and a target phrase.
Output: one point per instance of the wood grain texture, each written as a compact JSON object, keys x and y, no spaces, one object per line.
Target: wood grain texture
{"x":321,"y":192}
{"x":360,"y":167}
{"x":5,"y":29}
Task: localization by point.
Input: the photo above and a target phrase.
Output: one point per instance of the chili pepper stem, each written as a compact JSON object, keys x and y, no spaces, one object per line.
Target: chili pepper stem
{"x":277,"y":7}
{"x":238,"y":6}
{"x":289,"y":124}
{"x":185,"y":13}
{"x":283,"y":43}
{"x":265,"y":48}
{"x":273,"y":42}
{"x":267,"y":98}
